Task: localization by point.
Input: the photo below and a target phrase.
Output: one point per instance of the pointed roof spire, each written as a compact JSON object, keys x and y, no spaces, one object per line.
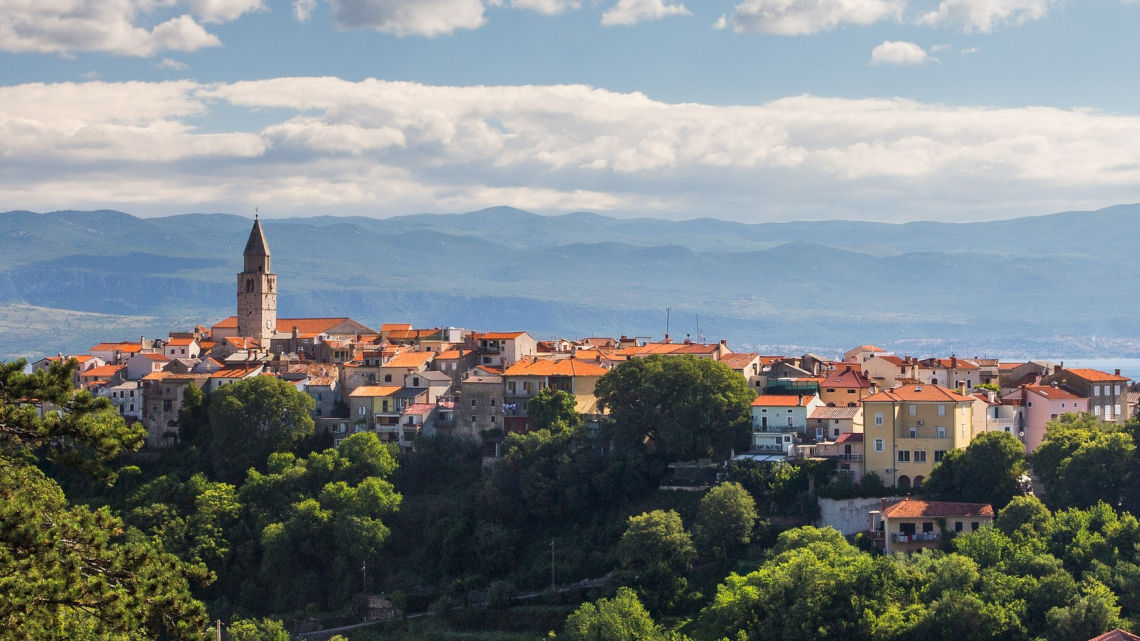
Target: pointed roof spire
{"x":256,"y":245}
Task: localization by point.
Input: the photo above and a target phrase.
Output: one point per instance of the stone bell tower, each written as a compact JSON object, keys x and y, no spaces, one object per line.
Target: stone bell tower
{"x":257,"y":290}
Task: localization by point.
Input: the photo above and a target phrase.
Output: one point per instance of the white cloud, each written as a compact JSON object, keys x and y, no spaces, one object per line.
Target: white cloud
{"x":898,"y":53}
{"x":408,"y":17}
{"x":986,"y":15}
{"x":121,"y":27}
{"x":631,"y":12}
{"x":170,"y":63}
{"x":358,"y":146}
{"x":800,"y":17}
{"x":545,"y":7}
{"x":977,"y":49}
{"x":303,"y":9}
{"x":722,"y":22}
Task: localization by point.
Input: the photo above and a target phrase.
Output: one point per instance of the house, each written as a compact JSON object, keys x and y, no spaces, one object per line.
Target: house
{"x":776,"y":419}
{"x":106,"y":375}
{"x":1116,"y":635}
{"x":181,"y":348}
{"x":1107,"y":394}
{"x":908,"y":429}
{"x":324,"y":388}
{"x":437,"y":384}
{"x":1011,"y":375}
{"x":233,"y":374}
{"x":393,"y":371}
{"x":127,"y":399}
{"x":747,"y":364}
{"x":479,"y":407}
{"x":887,"y":370}
{"x":455,"y":362}
{"x":829,"y":423}
{"x":526,"y":378}
{"x":861,"y":354}
{"x":335,"y":327}
{"x":145,"y":363}
{"x":371,"y":406}
{"x":1040,"y":404}
{"x":845,"y":387}
{"x":84,"y":363}
{"x":162,"y":394}
{"x":504,"y":348}
{"x":910,"y":525}
{"x":117,"y":353}
{"x":950,"y":372}
{"x":847,"y":452}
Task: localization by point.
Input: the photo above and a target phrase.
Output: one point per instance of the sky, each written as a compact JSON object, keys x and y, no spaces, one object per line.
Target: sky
{"x":749,"y":110}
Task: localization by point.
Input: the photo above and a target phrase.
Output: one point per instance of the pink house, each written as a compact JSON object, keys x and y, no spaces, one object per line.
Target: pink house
{"x":1041,"y":404}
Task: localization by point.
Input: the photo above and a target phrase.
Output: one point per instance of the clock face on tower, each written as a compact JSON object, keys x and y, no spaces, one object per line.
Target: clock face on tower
{"x":268,"y":324}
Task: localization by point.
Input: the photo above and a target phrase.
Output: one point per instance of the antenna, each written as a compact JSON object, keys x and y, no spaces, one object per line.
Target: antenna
{"x":699,"y":338}
{"x":255,"y":213}
{"x":668,"y":310}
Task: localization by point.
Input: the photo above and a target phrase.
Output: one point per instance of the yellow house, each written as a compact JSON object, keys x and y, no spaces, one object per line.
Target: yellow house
{"x":910,"y":428}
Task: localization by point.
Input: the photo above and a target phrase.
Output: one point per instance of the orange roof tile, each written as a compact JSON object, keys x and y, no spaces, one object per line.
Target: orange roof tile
{"x":774,"y":400}
{"x":500,"y":336}
{"x":125,"y":346}
{"x":449,"y":355}
{"x":155,"y":356}
{"x":1116,"y":635}
{"x":239,"y":371}
{"x":916,"y":394}
{"x":739,"y":360}
{"x":156,"y":376}
{"x":1009,"y":365}
{"x":389,"y":327}
{"x":102,"y":371}
{"x":563,"y":367}
{"x":1095,"y":376}
{"x":847,"y":378}
{"x":1050,"y":392}
{"x":180,"y":342}
{"x":936,"y":509}
{"x":410,"y":360}
{"x":286,"y":325}
{"x":375,"y":391}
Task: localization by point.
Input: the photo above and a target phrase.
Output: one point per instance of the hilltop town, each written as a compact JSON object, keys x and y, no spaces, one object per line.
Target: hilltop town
{"x":894,"y":415}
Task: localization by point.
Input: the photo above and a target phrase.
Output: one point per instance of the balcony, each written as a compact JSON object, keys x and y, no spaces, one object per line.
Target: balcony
{"x":766,"y":448}
{"x":917,"y":537}
{"x":778,"y":429}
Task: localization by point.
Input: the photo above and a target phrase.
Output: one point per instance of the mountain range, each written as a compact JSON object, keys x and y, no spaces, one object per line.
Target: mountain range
{"x":1060,"y":284}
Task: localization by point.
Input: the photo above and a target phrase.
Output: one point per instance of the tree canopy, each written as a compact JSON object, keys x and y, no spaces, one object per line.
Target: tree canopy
{"x":987,"y":471}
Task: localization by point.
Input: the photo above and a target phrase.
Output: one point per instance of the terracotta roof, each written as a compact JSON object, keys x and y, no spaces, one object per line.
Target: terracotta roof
{"x":156,"y":376}
{"x":563,"y":367}
{"x":410,"y":360}
{"x":154,"y":356}
{"x":125,"y":346}
{"x":1050,"y":392}
{"x":375,"y":391}
{"x":322,"y":381}
{"x":892,"y":359}
{"x":418,"y":408}
{"x":500,"y":336}
{"x":936,"y":509}
{"x":1116,"y":635}
{"x":651,"y":348}
{"x":180,"y":342}
{"x":954,"y":363}
{"x":286,"y":325}
{"x":917,"y":393}
{"x":1095,"y":376}
{"x":449,"y":355}
{"x":389,"y":327}
{"x":866,"y":348}
{"x":738,"y":360}
{"x":772,"y":400}
{"x":850,"y":437}
{"x":697,"y":348}
{"x":1009,"y":365}
{"x":835,"y":412}
{"x":102,"y":371}
{"x":848,"y":378}
{"x":240,"y":371}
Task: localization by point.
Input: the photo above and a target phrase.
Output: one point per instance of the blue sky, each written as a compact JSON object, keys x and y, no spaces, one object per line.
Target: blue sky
{"x":866,"y":109}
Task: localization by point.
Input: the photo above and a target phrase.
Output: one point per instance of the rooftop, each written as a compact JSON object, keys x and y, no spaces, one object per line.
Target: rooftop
{"x":1096,"y":376}
{"x":563,"y":367}
{"x":935,"y":509}
{"x":368,"y":391}
{"x":918,"y":394}
{"x":772,"y":400}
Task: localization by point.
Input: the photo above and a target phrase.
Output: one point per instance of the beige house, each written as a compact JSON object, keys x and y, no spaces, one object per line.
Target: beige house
{"x":847,"y":452}
{"x":526,"y":378}
{"x":746,"y":364}
{"x":862,"y":353}
{"x":887,"y":371}
{"x":909,"y":526}
{"x":844,"y":387}
{"x":910,"y":428}
{"x":504,"y":348}
{"x":829,"y":423}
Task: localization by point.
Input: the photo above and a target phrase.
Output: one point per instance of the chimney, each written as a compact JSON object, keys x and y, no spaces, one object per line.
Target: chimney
{"x":953,"y":362}
{"x":801,"y":399}
{"x":725,"y":343}
{"x":961,"y":388}
{"x":142,"y":342}
{"x":294,"y":332}
{"x":1118,"y":372}
{"x":883,"y":504}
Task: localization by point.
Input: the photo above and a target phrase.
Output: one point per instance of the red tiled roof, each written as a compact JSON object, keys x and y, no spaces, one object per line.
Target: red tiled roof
{"x":917,"y":393}
{"x":125,"y":346}
{"x":955,"y":363}
{"x":936,"y":509}
{"x":1050,"y":392}
{"x":832,"y":413}
{"x":866,"y":348}
{"x":1008,"y":366}
{"x":850,"y":437}
{"x":102,"y":371}
{"x":418,"y":408}
{"x":563,"y":367}
{"x":155,"y":356}
{"x":697,"y":348}
{"x":180,"y":342}
{"x":1116,"y":635}
{"x":390,"y":327}
{"x":239,"y":371}
{"x":449,"y":355}
{"x":738,"y":360}
{"x":1095,"y":376}
{"x":772,"y":400}
{"x":500,"y":336}
{"x":410,"y":359}
{"x":286,"y":325}
{"x":375,"y":391}
{"x":847,"y":378}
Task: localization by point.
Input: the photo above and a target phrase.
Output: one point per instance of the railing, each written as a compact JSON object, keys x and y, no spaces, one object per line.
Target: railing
{"x":770,"y":448}
{"x":899,"y":537}
{"x":854,"y":458}
{"x":778,"y":429}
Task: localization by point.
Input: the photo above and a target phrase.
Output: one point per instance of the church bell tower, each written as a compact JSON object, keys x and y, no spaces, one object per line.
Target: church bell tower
{"x":257,"y":290}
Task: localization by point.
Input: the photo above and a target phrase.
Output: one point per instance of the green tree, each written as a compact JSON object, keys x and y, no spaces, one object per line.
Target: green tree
{"x":193,"y":415}
{"x":1051,"y":461}
{"x":556,"y":411}
{"x":985,"y":472}
{"x":622,"y":618}
{"x":656,"y":552}
{"x":257,"y":630}
{"x":70,"y":572}
{"x":681,"y":406}
{"x":253,"y":418}
{"x":1090,"y":616}
{"x":725,"y":520}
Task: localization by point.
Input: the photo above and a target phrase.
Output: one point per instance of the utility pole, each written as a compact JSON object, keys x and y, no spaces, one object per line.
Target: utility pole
{"x":364,"y":583}
{"x":552,"y":584}
{"x":218,"y":629}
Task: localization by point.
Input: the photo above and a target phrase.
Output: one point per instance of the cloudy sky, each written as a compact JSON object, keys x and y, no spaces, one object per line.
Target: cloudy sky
{"x":750,"y":110}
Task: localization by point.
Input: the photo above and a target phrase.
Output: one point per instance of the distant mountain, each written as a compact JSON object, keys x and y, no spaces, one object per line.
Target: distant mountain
{"x":1005,"y":286}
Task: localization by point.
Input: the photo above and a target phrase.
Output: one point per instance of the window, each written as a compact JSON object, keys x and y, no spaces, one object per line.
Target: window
{"x":356,"y":378}
{"x":920,"y":456}
{"x":938,"y":454}
{"x":320,"y":397}
{"x":914,"y":432}
{"x":878,"y":418}
{"x":1096,"y":410}
{"x":492,"y":420}
{"x":472,"y":418}
{"x":1116,"y":390}
{"x":879,"y":444}
{"x":831,"y":390}
{"x":1029,"y":404}
{"x":941,"y":432}
{"x":850,"y":391}
{"x":928,"y":527}
{"x":904,"y":456}
{"x":906,"y":528}
{"x":416,"y":381}
{"x":387,"y":378}
{"x":511,"y":387}
{"x":913,"y":409}
{"x":974,"y":526}
{"x":957,"y":526}
{"x":360,"y":410}
{"x":1096,"y":390}
{"x":384,"y":405}
{"x":942,"y":410}
{"x":472,"y":402}
{"x":1116,"y":410}
{"x":492,"y":402}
